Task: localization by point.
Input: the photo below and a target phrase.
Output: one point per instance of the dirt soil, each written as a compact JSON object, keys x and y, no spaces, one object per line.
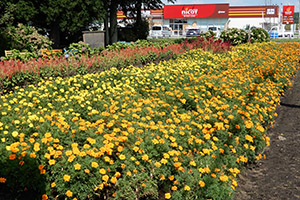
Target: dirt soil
{"x":278,"y":176}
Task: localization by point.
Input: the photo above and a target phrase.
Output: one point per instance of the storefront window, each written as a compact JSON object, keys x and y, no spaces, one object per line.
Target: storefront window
{"x":177,"y":26}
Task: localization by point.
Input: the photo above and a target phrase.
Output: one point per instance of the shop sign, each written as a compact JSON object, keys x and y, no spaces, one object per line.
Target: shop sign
{"x":196,"y":11}
{"x":288,"y":14}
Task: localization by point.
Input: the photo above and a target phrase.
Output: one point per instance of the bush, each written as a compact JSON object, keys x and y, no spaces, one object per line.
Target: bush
{"x":259,"y":35}
{"x":27,"y":38}
{"x":17,"y":54}
{"x":234,"y":35}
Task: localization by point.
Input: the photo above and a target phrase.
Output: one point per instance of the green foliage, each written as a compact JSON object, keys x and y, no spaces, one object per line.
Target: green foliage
{"x":23,"y":56}
{"x":208,"y":34}
{"x":25,"y":37}
{"x":79,"y":48}
{"x":7,"y":9}
{"x":234,"y":35}
{"x":259,"y":35}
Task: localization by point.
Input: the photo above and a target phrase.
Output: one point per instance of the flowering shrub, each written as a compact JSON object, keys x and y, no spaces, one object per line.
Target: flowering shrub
{"x":259,"y":35}
{"x":27,"y":38}
{"x":180,"y":129}
{"x":234,"y":35}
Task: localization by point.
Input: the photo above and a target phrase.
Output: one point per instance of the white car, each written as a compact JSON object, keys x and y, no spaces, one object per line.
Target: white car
{"x":160,"y":31}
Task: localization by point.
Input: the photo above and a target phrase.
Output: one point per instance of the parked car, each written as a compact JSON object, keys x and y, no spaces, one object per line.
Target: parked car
{"x":281,"y":32}
{"x":216,"y":30}
{"x":192,"y":32}
{"x":160,"y":31}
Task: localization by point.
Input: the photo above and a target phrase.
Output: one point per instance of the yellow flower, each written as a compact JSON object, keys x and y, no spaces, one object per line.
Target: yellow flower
{"x":102,"y":171}
{"x":164,"y":161}
{"x":77,"y":166}
{"x":128,"y":173}
{"x":113,"y":180}
{"x":53,"y":184}
{"x":69,"y":193}
{"x":122,"y":157}
{"x":249,"y":138}
{"x":52,"y":162}
{"x":201,"y":183}
{"x":187,"y":188}
{"x":157,"y":164}
{"x":95,"y":164}
{"x":105,"y":178}
{"x":168,"y":196}
{"x":145,"y":157}
{"x":131,"y":129}
{"x":193,"y":163}
{"x":224,"y":178}
{"x":14,"y":133}
{"x":67,"y":178}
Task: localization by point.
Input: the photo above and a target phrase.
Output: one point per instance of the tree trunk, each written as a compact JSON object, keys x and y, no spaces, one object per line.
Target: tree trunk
{"x":113,"y":22}
{"x":55,"y":35}
{"x":138,"y":8}
{"x":106,"y":28}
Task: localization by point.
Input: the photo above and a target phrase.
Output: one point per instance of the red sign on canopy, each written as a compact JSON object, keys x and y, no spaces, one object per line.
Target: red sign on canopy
{"x":196,"y":11}
{"x":288,"y":14}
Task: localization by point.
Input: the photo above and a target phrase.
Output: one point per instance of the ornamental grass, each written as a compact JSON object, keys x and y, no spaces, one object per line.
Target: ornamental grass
{"x":180,"y":129}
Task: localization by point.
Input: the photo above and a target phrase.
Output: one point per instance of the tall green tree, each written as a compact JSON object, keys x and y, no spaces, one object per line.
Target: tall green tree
{"x":63,"y":19}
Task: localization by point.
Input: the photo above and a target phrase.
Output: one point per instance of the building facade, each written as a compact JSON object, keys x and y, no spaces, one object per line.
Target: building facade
{"x":202,"y":16}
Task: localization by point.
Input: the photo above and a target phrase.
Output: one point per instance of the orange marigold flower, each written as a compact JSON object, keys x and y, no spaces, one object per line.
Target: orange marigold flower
{"x":2,"y":180}
{"x":177,"y":164}
{"x":44,"y":197}
{"x":12,"y":156}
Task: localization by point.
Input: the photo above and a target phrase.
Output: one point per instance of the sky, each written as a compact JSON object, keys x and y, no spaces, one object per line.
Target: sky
{"x":241,"y":2}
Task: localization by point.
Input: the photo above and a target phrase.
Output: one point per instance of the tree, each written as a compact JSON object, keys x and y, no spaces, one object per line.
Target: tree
{"x":134,"y":9}
{"x":64,"y":20}
{"x":7,"y":17}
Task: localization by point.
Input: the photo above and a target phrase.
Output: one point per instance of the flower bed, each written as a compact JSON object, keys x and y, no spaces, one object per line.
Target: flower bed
{"x":180,"y":129}
{"x":17,"y":73}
